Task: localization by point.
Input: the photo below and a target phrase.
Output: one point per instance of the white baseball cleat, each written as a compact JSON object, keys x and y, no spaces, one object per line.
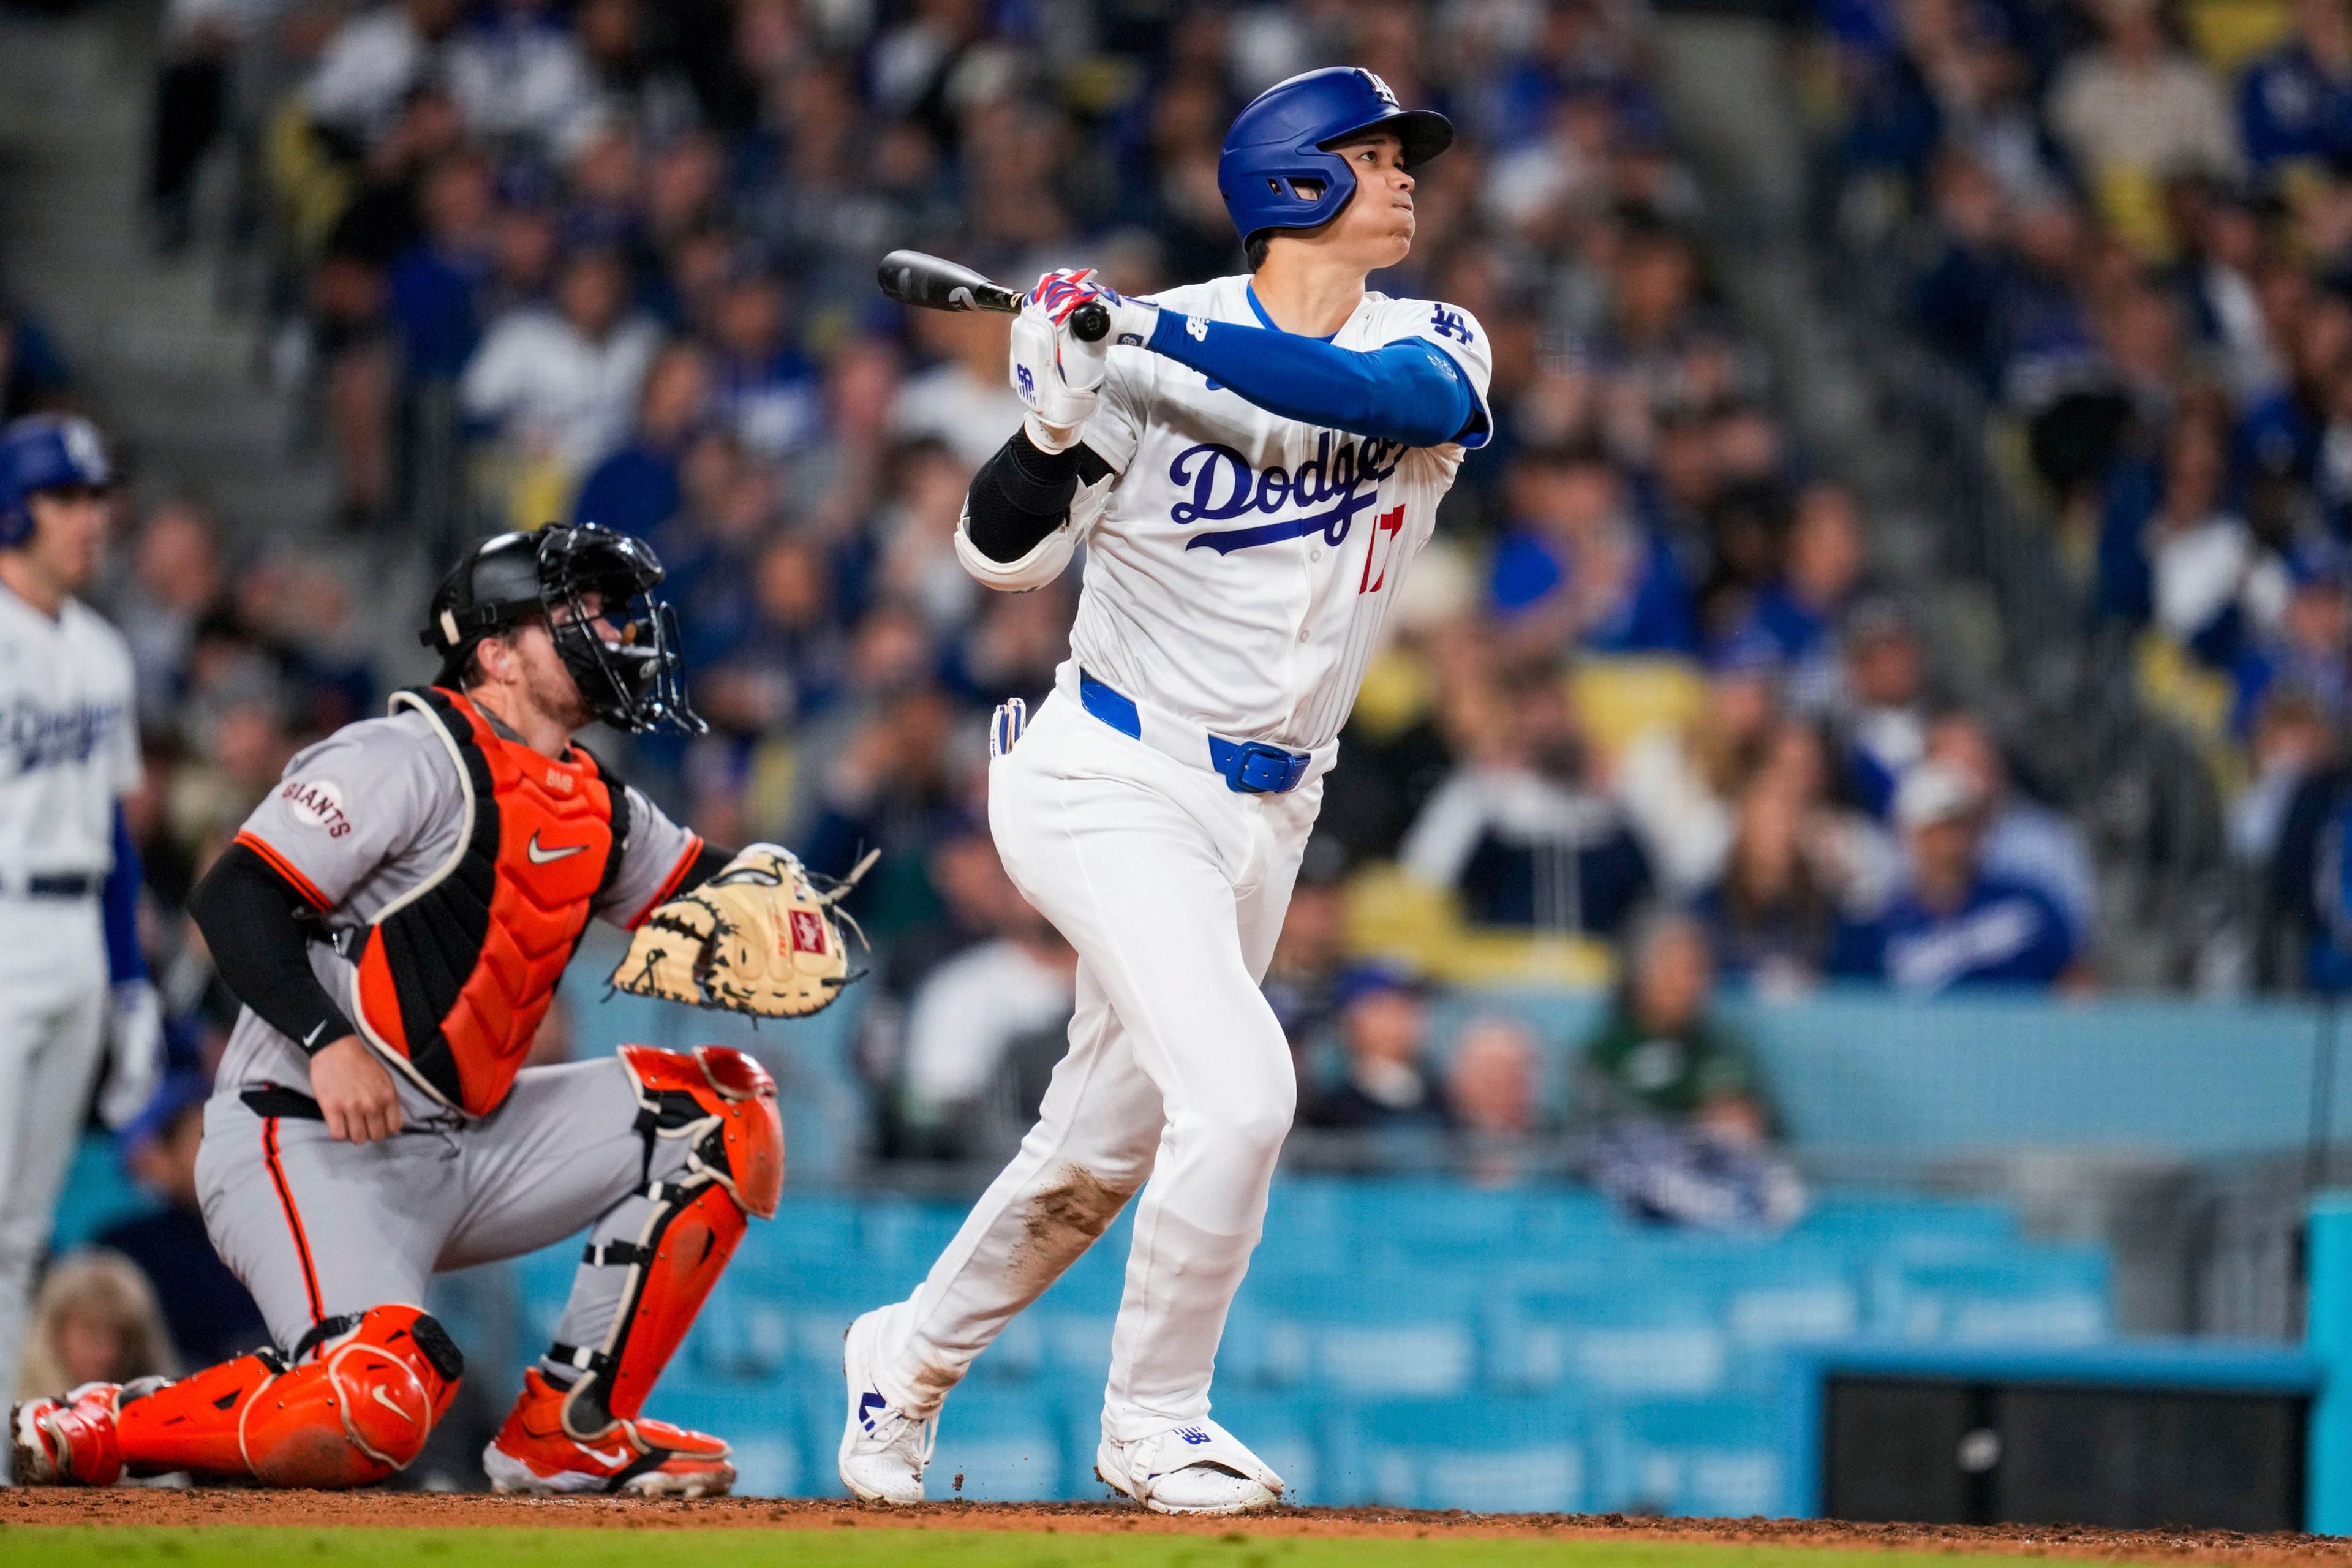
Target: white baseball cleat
{"x":1199,"y":1468}
{"x":883,"y":1448}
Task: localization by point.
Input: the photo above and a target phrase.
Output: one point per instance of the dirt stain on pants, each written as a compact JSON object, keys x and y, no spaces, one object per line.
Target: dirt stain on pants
{"x":1065,"y":1218}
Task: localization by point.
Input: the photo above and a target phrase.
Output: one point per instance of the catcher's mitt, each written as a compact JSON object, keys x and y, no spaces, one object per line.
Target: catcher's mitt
{"x":761,"y":937}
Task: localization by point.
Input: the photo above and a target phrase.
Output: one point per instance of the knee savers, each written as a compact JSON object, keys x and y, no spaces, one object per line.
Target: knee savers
{"x":723,"y":1104}
{"x":352,"y":1405}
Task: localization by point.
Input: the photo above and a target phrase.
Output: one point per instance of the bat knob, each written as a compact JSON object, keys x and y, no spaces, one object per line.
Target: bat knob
{"x":1089,"y":323}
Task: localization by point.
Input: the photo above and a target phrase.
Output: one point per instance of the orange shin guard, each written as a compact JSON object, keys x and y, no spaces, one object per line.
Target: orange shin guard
{"x":351,"y":1409}
{"x":725,"y":1103}
{"x":687,"y":1244}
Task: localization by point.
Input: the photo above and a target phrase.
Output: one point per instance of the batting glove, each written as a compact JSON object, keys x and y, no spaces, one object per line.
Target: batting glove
{"x":1058,"y":389}
{"x":134,"y":1052}
{"x":1131,"y":321}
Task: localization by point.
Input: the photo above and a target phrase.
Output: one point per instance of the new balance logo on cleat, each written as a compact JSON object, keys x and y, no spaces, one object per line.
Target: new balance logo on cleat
{"x":869,"y":1403}
{"x":1193,"y":1435}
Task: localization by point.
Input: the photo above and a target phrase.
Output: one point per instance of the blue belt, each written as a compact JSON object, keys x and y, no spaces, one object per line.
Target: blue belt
{"x":1250,"y":767}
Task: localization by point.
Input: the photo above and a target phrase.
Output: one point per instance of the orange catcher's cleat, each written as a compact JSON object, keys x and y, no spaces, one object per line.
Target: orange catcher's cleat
{"x":534,"y":1454}
{"x":69,"y":1442}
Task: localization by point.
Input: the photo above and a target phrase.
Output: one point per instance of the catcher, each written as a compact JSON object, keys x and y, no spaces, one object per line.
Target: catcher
{"x":395,"y":918}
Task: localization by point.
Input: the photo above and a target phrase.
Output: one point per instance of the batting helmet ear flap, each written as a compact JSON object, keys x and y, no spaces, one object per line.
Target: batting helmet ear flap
{"x":1273,"y":172}
{"x":45,"y":452}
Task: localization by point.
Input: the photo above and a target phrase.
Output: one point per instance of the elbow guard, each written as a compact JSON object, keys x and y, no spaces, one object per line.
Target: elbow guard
{"x":1024,"y":510}
{"x":1045,"y":560}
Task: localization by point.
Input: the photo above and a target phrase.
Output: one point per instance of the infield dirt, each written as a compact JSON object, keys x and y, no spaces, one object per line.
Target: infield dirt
{"x":377,"y":1509}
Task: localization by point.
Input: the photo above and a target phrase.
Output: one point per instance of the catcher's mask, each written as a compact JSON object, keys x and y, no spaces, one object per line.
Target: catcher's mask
{"x":635,"y":682}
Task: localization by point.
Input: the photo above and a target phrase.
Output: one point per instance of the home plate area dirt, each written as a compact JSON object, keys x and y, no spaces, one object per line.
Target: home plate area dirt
{"x":214,"y":1506}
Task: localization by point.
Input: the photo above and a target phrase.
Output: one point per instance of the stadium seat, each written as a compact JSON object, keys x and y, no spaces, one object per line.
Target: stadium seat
{"x":1621,"y":698}
{"x":97,"y":1195}
{"x":2048,"y":1294}
{"x":1345,"y":1334}
{"x":1492,"y":1454}
{"x":1707,"y":1457}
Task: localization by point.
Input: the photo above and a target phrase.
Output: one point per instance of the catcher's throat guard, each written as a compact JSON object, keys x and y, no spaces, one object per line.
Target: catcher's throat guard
{"x":723,"y":1104}
{"x":763,"y":937}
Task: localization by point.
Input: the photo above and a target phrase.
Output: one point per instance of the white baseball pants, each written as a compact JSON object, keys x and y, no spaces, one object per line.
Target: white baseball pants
{"x":53,"y":1013}
{"x":1171,"y":887}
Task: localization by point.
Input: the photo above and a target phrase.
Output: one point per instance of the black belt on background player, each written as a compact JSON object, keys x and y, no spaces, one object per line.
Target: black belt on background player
{"x":54,"y":885}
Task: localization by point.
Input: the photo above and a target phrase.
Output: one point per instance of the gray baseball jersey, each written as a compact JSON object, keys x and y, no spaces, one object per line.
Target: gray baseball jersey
{"x":369,"y":815}
{"x":317,"y":1228}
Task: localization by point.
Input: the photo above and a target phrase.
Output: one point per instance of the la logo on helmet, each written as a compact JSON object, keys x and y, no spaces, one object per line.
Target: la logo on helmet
{"x":82,"y":446}
{"x":1379,"y":86}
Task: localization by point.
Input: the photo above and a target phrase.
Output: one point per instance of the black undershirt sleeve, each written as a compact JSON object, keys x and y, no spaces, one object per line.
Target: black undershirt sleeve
{"x":259,"y":930}
{"x":706,"y":864}
{"x":1022,"y":494}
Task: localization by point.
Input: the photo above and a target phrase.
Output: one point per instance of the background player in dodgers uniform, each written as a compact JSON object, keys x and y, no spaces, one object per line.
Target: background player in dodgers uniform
{"x":68,"y":756}
{"x":1252,"y":469}
{"x":395,"y":919}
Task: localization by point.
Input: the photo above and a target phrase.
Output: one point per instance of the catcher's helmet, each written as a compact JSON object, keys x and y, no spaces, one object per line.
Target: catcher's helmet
{"x":636,"y":683}
{"x":1273,"y":172}
{"x":45,"y":452}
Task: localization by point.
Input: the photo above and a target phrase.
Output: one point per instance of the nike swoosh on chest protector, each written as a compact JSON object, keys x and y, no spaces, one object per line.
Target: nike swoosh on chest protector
{"x":539,"y":856}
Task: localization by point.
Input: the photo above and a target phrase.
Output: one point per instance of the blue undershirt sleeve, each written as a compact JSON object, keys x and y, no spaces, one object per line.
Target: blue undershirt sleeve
{"x":120,"y":897}
{"x":1409,"y":391}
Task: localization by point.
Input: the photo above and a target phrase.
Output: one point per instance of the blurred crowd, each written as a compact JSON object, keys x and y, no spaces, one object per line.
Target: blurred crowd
{"x":2135,"y":232}
{"x":1648,"y":707}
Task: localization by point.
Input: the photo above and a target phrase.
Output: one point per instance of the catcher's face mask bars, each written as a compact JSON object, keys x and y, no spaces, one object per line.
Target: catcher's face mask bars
{"x":634,"y":680}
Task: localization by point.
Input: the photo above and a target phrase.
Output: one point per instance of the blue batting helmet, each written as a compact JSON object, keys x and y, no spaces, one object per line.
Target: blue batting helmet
{"x":1273,"y":172}
{"x":45,"y":452}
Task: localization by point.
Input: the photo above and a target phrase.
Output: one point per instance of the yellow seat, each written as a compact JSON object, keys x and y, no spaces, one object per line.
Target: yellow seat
{"x":1396,"y":917}
{"x":2227,"y":34}
{"x":1620,"y":698}
{"x":311,"y":188}
{"x":1398,"y":689}
{"x":2174,"y":684}
{"x":2131,"y":200}
{"x":2198,"y":699}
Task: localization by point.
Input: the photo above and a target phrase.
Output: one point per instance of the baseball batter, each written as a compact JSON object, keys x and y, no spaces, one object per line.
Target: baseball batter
{"x":68,"y":882}
{"x":395,"y":918}
{"x":1253,"y":464}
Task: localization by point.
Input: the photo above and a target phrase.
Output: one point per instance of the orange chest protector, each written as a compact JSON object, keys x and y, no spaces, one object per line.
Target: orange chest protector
{"x":454,"y":977}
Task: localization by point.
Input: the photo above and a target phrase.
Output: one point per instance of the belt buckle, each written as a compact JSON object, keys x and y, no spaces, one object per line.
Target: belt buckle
{"x":1263,"y":769}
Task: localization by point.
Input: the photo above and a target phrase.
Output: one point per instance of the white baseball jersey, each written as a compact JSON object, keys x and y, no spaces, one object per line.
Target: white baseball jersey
{"x":68,"y":746}
{"x":1239,"y":567}
{"x":1239,"y":563}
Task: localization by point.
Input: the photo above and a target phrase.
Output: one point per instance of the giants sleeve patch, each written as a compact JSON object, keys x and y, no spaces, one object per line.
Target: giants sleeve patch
{"x":317,"y":803}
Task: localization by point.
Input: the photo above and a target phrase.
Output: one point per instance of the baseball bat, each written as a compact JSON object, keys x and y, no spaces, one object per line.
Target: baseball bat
{"x":912,"y":277}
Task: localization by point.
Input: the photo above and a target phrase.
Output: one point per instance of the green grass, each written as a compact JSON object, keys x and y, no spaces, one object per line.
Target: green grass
{"x":245,"y":1547}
